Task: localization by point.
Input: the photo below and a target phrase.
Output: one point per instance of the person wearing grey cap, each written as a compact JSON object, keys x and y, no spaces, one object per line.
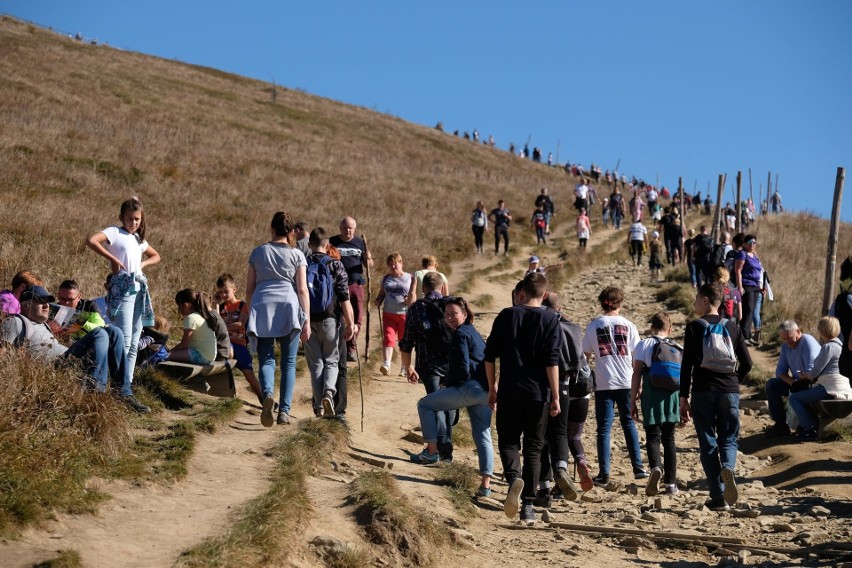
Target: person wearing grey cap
{"x":101,"y":350}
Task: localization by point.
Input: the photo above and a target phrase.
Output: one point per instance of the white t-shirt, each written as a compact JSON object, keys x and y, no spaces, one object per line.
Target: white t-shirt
{"x":611,"y":339}
{"x":652,"y":195}
{"x":638,"y":232}
{"x":582,"y":191}
{"x":644,"y":350}
{"x":126,"y":248}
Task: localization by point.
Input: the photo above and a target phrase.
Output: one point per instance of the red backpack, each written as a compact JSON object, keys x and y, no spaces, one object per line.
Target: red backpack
{"x":726,"y":309}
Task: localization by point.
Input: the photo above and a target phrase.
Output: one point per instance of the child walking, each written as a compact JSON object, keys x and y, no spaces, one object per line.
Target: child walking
{"x":198,"y":344}
{"x":235,"y":313}
{"x":128,"y":299}
{"x":539,"y":223}
{"x":656,"y":261}
{"x":395,"y":287}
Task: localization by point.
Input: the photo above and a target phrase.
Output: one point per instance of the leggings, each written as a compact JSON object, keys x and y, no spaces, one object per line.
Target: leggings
{"x":477,"y":236}
{"x":654,"y":434}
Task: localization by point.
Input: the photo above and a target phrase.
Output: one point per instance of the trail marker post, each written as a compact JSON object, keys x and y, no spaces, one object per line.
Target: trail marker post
{"x":719,"y":196}
{"x":833,"y":232}
{"x":739,"y":224}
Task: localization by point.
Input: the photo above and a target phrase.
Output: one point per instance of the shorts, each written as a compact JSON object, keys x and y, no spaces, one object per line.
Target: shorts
{"x":196,"y":357}
{"x":243,"y":357}
{"x":393,"y":326}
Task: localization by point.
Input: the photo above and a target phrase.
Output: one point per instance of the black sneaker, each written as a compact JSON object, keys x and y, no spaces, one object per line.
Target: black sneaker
{"x":137,"y":406}
{"x":350,"y":357}
{"x":528,"y":512}
{"x":778,"y":430}
{"x":640,"y":473}
{"x":717,"y":504}
{"x":542,"y":499}
{"x":601,"y":480}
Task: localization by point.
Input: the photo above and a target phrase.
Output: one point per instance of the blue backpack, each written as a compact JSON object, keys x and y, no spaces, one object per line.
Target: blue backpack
{"x":320,"y":285}
{"x":664,"y":372}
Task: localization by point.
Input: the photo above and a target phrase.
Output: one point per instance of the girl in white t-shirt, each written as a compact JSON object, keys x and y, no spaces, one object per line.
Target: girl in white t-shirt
{"x":128,"y":252}
{"x":198,"y":344}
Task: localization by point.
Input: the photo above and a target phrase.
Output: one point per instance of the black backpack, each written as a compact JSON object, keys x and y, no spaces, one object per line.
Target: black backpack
{"x":718,"y":256}
{"x":703,"y":246}
{"x":437,"y":335}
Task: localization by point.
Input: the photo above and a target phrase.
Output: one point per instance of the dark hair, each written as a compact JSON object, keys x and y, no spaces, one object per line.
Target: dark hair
{"x":301,"y":225}
{"x":534,"y":285}
{"x":661,"y":321}
{"x":846,"y":269}
{"x":25,"y":277}
{"x":713,"y":291}
{"x":738,"y":240}
{"x":225,"y":279}
{"x":432,"y":281}
{"x":200,"y":303}
{"x":317,"y":237}
{"x":131,"y":206}
{"x":69,"y":284}
{"x":282,"y":224}
{"x":611,"y":298}
{"x":462,"y":303}
{"x":748,"y":238}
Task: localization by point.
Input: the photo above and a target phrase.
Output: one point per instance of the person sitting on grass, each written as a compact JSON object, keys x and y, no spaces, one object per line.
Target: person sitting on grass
{"x":101,"y":351}
{"x":234,"y":312}
{"x":828,"y":383}
{"x":89,"y":318}
{"x":10,"y":299}
{"x":198,"y":344}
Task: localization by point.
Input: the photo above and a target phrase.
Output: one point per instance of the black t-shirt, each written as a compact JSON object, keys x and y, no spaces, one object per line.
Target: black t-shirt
{"x":693,"y":375}
{"x":526,"y":340}
{"x":353,"y":255}
{"x":500,"y":216}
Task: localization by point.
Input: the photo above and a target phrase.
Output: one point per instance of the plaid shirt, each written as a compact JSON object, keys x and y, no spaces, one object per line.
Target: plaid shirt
{"x":414,"y":337}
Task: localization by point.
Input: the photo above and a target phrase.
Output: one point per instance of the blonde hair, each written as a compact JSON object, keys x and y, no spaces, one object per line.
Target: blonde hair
{"x":828,"y":327}
{"x":722,"y":274}
{"x":395,"y":257}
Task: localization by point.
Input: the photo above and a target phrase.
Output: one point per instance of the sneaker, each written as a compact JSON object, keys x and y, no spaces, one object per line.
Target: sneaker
{"x":542,"y":499}
{"x":403,"y":374}
{"x":513,"y":499}
{"x":566,"y":485}
{"x":805,"y":435}
{"x":351,"y":358}
{"x":528,"y":513}
{"x":385,"y":369}
{"x":601,"y":480}
{"x":483,"y":492}
{"x":425,"y":458}
{"x":283,"y":418}
{"x":653,"y":486}
{"x":328,"y":404}
{"x":778,"y":429}
{"x":137,"y":406}
{"x":640,"y":473}
{"x":266,"y":413}
{"x":731,"y":493}
{"x":671,"y":489}
{"x":717,"y":504}
{"x":586,"y":483}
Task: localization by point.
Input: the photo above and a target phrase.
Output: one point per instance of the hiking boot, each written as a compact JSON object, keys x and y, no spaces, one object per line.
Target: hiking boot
{"x":283,"y":418}
{"x":601,"y":480}
{"x":542,"y":499}
{"x":671,"y":489}
{"x":266,"y":413}
{"x":564,"y":483}
{"x":425,"y":458}
{"x":586,"y":483}
{"x":731,"y":494}
{"x":640,"y":473}
{"x":513,"y":499}
{"x":385,"y":369}
{"x":777,"y":430}
{"x":653,"y":486}
{"x":328,"y":404}
{"x":528,"y":513}
{"x":717,"y":504}
{"x":134,"y":404}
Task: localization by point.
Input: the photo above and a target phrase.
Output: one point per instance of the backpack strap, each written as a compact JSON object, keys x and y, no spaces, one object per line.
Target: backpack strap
{"x":26,"y":330}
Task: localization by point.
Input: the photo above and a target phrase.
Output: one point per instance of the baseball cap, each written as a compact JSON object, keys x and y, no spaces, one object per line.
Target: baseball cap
{"x":33,"y":293}
{"x":655,"y":234}
{"x":534,"y":259}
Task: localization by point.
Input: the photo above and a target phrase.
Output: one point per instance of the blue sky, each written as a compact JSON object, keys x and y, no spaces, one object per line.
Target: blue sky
{"x":690,"y":89}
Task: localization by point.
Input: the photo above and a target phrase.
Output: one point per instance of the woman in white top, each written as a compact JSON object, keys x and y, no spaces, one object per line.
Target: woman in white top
{"x":128,"y":299}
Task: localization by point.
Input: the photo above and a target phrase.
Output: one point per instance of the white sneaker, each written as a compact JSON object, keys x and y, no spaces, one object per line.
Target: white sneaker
{"x":385,"y":369}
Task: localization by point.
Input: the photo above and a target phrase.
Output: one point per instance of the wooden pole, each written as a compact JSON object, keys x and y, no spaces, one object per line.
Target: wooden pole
{"x":719,"y":197}
{"x":682,"y":218}
{"x":739,"y":224}
{"x":768,"y":189}
{"x":750,"y":188}
{"x":831,"y":261}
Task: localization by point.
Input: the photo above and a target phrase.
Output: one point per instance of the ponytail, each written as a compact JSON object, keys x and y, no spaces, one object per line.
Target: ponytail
{"x":200,"y":303}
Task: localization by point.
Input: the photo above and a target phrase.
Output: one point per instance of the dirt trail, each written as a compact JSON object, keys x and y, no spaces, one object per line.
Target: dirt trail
{"x":151,"y":525}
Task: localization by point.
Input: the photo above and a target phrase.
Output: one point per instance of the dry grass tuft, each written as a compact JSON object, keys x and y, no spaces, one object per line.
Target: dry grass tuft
{"x":66,"y":559}
{"x":461,"y":481}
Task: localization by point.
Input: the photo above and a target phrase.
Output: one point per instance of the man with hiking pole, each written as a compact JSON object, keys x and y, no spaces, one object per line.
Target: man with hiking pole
{"x":355,"y":257}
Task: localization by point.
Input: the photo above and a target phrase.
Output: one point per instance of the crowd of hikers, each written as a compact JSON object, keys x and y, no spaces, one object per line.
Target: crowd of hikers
{"x":309,"y":287}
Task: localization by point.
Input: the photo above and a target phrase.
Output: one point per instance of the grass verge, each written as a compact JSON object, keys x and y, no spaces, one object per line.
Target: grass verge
{"x":258,"y":535}
{"x":461,"y":481}
{"x":409,"y":537}
{"x":66,"y":559}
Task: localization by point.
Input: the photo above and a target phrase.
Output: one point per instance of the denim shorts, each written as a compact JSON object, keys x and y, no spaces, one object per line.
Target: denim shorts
{"x":196,"y":357}
{"x":243,"y":357}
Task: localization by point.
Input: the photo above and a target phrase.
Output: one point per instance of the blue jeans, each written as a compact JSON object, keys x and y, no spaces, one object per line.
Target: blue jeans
{"x":758,"y":304}
{"x":472,"y":396}
{"x":717,"y":424}
{"x":617,"y":216}
{"x":102,"y":350}
{"x":694,"y":275}
{"x":801,"y":401}
{"x":266,"y":360}
{"x":432,"y":383}
{"x":776,"y":390}
{"x":605,"y":403}
{"x":129,"y":321}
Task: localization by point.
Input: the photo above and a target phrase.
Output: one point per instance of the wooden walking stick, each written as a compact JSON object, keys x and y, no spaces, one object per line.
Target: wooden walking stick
{"x":360,"y":382}
{"x":368,"y":301}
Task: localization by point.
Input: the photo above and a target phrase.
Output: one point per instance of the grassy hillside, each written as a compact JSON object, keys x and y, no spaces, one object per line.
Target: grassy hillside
{"x":213,"y":157}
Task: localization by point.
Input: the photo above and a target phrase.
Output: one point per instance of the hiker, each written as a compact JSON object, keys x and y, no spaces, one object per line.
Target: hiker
{"x":538,"y":221}
{"x":616,"y":207}
{"x":464,"y":386}
{"x":554,"y":455}
{"x":534,"y":266}
{"x":10,"y":299}
{"x":549,"y":210}
{"x":652,"y":194}
{"x":842,"y":310}
{"x":581,"y":195}
{"x":198,"y":343}
{"x":302,"y":234}
{"x":827,"y":382}
{"x":798,"y":351}
{"x":605,"y":211}
{"x":689,"y":255}
{"x":354,"y":256}
{"x":393,"y":290}
{"x":715,"y":361}
{"x":637,"y":240}
{"x":235,"y":312}
{"x":732,"y":303}
{"x":501,"y":218}
{"x":584,"y":228}
{"x":637,"y":207}
{"x":656,"y":388}
{"x":702,"y":251}
{"x":527,"y":340}
{"x":428,"y":264}
{"x":749,"y":278}
{"x":100,"y":351}
{"x":128,"y":298}
{"x":479,"y":224}
{"x":89,"y":318}
{"x":611,"y":339}
{"x":776,"y":203}
{"x":328,"y":291}
{"x":655,"y":260}
{"x":277,"y":294}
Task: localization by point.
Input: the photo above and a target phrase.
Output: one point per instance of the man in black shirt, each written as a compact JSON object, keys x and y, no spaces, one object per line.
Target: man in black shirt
{"x":501,"y":218}
{"x":354,"y":256}
{"x":715,"y":361}
{"x":545,"y":201}
{"x":527,"y":340}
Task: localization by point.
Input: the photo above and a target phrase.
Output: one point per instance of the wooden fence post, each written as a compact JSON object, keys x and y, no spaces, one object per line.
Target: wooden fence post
{"x":682,"y":217}
{"x":739,"y":223}
{"x":831,"y":261}
{"x":768,"y":189}
{"x":719,"y":196}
